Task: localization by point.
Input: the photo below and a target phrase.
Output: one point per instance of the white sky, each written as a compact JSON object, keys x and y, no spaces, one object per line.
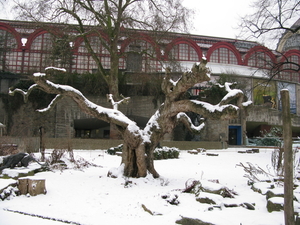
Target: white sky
{"x":218,"y":18}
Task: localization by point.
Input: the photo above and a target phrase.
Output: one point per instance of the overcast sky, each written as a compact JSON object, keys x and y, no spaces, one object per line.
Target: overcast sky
{"x":218,"y":18}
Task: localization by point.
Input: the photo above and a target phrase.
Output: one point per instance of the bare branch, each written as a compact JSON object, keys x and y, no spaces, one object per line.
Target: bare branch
{"x":52,"y":104}
{"x":115,"y":105}
{"x":24,"y":93}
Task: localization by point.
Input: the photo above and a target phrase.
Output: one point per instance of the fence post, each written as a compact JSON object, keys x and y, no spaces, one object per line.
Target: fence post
{"x":288,"y":158}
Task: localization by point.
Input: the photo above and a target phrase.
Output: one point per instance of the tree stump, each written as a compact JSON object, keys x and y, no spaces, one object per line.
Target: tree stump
{"x":33,"y":186}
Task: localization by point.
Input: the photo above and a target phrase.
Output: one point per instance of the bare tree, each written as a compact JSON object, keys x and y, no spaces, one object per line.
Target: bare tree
{"x":110,"y":21}
{"x":139,"y":144}
{"x":274,"y":20}
{"x":270,"y":18}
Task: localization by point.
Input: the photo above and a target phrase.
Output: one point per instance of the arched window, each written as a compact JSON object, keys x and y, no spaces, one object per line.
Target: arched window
{"x":141,"y":56}
{"x":290,"y":66}
{"x":40,"y":52}
{"x":260,"y":57}
{"x":10,"y":58}
{"x":260,"y":60}
{"x":85,"y":61}
{"x":183,"y":52}
{"x":223,"y":55}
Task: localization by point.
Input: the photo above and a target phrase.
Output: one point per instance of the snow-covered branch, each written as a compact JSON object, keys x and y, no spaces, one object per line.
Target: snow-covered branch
{"x":183,"y":118}
{"x":114,"y":104}
{"x":52,"y":104}
{"x":24,"y":93}
{"x":175,"y":89}
{"x":233,"y":94}
{"x":102,"y":113}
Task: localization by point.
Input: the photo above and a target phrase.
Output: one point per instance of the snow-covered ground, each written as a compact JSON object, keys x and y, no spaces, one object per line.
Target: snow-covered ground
{"x":89,"y":197}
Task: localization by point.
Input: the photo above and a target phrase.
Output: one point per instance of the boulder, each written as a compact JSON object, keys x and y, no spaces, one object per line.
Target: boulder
{"x":275,"y":204}
{"x":191,"y":221}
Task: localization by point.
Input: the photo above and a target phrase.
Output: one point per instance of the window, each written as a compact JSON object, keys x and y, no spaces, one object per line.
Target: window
{"x":223,"y":55}
{"x":40,"y":53}
{"x":290,"y":69}
{"x":9,"y":57}
{"x":260,"y":60}
{"x":85,"y":61}
{"x":141,"y":57}
{"x":183,"y":52}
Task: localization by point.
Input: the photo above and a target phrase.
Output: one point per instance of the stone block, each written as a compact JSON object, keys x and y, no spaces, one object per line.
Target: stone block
{"x":32,"y":185}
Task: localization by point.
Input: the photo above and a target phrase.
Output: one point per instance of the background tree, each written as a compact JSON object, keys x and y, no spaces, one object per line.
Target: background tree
{"x":139,"y":144}
{"x":271,"y":20}
{"x":110,"y":21}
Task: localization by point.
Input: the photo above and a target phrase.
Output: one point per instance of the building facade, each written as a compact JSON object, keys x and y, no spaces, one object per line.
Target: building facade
{"x":26,"y":48}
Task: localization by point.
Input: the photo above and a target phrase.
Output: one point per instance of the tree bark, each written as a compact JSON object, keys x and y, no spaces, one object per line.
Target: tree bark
{"x":288,"y":159}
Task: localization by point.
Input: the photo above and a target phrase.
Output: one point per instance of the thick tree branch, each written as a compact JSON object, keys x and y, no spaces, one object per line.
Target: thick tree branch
{"x":175,"y":89}
{"x":183,"y":118}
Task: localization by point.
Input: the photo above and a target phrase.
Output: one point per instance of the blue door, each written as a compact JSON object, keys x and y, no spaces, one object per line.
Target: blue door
{"x":235,"y":135}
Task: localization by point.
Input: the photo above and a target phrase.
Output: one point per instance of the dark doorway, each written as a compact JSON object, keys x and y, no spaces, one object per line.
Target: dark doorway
{"x":235,"y":135}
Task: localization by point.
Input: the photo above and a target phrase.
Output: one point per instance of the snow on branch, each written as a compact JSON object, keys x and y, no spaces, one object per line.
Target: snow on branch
{"x":24,"y":93}
{"x":232,"y":94}
{"x":102,"y":113}
{"x":52,"y":103}
{"x":175,"y":89}
{"x":115,"y":105}
{"x":182,"y":117}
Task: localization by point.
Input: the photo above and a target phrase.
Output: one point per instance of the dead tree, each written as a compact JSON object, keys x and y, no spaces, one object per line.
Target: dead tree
{"x":139,"y":144}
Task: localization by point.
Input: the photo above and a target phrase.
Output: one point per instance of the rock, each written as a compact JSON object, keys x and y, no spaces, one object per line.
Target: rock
{"x":242,"y":152}
{"x":275,"y":204}
{"x":200,"y":150}
{"x":194,"y":152}
{"x":150,"y":212}
{"x":171,"y":198}
{"x":249,"y":206}
{"x":191,"y":221}
{"x":231,"y":205}
{"x":271,"y":194}
{"x":212,"y":154}
{"x":205,"y":200}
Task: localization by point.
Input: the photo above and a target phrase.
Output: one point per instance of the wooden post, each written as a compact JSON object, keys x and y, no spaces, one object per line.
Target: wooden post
{"x":288,"y":159}
{"x":42,"y":144}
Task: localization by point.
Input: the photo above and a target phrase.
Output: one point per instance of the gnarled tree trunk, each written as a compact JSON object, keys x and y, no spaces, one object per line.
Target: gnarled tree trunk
{"x":139,"y":144}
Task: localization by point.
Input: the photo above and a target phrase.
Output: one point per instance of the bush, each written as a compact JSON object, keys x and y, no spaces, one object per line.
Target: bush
{"x":113,"y":150}
{"x":159,"y":153}
{"x":166,"y":153}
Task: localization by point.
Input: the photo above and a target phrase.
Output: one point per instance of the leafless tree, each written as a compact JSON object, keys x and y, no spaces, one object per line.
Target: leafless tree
{"x":110,"y":21}
{"x":139,"y":144}
{"x":271,"y":18}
